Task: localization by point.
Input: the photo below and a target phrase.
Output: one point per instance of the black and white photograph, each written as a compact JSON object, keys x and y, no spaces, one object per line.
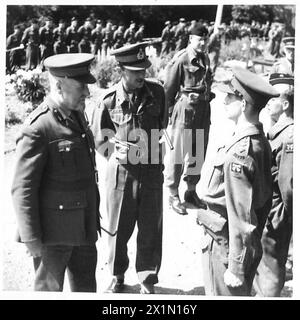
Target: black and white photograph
{"x":148,"y":150}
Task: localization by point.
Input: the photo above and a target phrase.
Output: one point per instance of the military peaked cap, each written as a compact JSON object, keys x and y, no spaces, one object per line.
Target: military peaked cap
{"x":276,"y":78}
{"x":71,"y":65}
{"x":133,"y":56}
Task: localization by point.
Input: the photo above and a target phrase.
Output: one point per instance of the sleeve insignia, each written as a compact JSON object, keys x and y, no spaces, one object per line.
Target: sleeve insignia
{"x":289,"y":147}
{"x":236,"y":167}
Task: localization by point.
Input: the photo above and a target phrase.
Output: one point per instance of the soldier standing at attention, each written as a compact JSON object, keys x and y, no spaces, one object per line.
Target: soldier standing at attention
{"x":59,"y":37}
{"x":270,"y":275}
{"x":55,"y":192}
{"x":46,"y":39}
{"x":14,"y":55}
{"x":166,"y":38}
{"x":187,"y":88}
{"x":72,"y":36}
{"x":31,"y":40}
{"x":129,"y":35}
{"x":107,"y":41}
{"x":85,"y":35}
{"x":134,"y":188}
{"x":285,"y":65}
{"x":118,"y":38}
{"x":96,"y":38}
{"x":238,"y":191}
{"x":181,"y":35}
{"x":139,"y":35}
{"x":214,"y":47}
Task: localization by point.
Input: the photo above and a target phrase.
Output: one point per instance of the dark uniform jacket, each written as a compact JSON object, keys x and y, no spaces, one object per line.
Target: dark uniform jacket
{"x":187,"y":74}
{"x":31,"y":37}
{"x":46,"y":36}
{"x":281,"y":140}
{"x":238,"y":196}
{"x":72,"y":39}
{"x":54,"y":189}
{"x":13,"y":41}
{"x":118,"y":39}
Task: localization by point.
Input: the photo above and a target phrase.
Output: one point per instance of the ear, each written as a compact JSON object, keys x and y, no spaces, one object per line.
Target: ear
{"x":59,"y":86}
{"x":285,"y":105}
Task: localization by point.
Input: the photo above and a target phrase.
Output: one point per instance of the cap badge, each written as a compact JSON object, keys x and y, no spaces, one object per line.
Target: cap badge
{"x":141,"y":54}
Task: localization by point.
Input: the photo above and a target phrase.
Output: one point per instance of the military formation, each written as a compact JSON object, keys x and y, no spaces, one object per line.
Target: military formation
{"x":245,"y":212}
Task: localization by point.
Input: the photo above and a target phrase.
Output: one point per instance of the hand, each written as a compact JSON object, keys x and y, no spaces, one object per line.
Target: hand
{"x":232,"y":280}
{"x":34,"y":248}
{"x":22,"y":46}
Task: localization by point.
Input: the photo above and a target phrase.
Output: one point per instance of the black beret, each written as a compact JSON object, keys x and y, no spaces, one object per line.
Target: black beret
{"x":200,"y":31}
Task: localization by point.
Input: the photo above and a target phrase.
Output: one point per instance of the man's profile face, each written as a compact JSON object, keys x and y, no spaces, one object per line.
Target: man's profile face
{"x":133,"y":79}
{"x":233,"y":107}
{"x":74,"y":94}
{"x":290,"y":54}
{"x":198,"y":43}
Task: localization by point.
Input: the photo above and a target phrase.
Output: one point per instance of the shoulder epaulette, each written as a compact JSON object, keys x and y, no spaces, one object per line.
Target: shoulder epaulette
{"x":109,"y":91}
{"x":35,"y":114}
{"x":153,"y":81}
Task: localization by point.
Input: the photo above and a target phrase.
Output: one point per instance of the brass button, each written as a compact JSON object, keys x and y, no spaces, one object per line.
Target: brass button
{"x":83,"y":135}
{"x":61,"y":207}
{"x":78,"y":203}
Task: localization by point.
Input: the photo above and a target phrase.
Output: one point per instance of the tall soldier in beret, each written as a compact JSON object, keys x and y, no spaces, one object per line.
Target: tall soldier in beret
{"x":187,"y":87}
{"x":46,"y":39}
{"x":270,"y":276}
{"x":14,"y":50}
{"x":166,"y":39}
{"x":130,"y":114}
{"x":31,"y":41}
{"x":55,"y":193}
{"x":238,"y":191}
{"x":59,"y":37}
{"x":285,"y":65}
{"x":72,"y":36}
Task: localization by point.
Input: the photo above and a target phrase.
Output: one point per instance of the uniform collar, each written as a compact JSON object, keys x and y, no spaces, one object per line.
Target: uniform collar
{"x":245,"y":131}
{"x":279,"y":127}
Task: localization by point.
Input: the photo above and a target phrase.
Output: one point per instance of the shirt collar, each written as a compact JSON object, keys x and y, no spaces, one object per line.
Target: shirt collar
{"x":279,"y":127}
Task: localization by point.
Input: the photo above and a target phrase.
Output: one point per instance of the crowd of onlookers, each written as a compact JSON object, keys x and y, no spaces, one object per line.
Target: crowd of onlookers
{"x":30,"y":45}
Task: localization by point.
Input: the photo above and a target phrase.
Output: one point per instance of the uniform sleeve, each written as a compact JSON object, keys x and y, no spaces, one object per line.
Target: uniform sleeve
{"x":31,"y":158}
{"x":172,"y":83}
{"x":239,"y":192}
{"x":25,"y":37}
{"x":285,"y":174}
{"x":103,"y":129}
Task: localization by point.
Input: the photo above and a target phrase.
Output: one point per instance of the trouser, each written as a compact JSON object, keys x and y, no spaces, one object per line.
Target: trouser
{"x":270,"y":276}
{"x":214,"y":265}
{"x":60,"y":47}
{"x":183,"y":159}
{"x":46,"y":52}
{"x":79,"y":261}
{"x":165,"y":48}
{"x":135,"y":197}
{"x":32,"y":57}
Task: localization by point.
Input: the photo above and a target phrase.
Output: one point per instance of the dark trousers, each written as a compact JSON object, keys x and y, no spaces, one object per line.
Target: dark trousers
{"x":32,"y":56}
{"x":131,"y":202}
{"x":270,"y":276}
{"x":79,"y":261}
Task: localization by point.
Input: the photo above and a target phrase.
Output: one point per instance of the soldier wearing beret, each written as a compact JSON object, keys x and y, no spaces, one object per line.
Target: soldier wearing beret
{"x":72,"y":36}
{"x":166,"y":38}
{"x":59,"y":37}
{"x":13,"y":49}
{"x":107,"y":38}
{"x":96,"y":38}
{"x":118,"y":37}
{"x":181,"y":35}
{"x":31,"y":41}
{"x":270,"y":276}
{"x":46,"y":39}
{"x":238,"y":192}
{"x":55,"y":193}
{"x":129,"y":115}
{"x":129,"y":34}
{"x":187,"y":87}
{"x":285,"y":65}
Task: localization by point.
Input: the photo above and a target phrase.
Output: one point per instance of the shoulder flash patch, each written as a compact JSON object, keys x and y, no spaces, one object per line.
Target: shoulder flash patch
{"x":236,"y":167}
{"x":34,"y":115}
{"x":242,"y":148}
{"x":289,"y":148}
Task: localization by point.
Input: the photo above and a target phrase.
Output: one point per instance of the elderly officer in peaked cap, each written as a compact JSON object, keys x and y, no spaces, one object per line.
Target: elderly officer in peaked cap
{"x":130,"y":114}
{"x":55,"y":193}
{"x":239,"y":191}
{"x":270,"y":275}
{"x":285,"y":65}
{"x":187,"y":87}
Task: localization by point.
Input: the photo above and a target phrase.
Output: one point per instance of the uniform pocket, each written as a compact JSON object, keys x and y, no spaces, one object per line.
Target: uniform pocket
{"x":63,"y":216}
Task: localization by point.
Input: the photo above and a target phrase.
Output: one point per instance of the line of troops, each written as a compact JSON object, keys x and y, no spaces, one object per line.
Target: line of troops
{"x":244,"y":213}
{"x":42,"y":42}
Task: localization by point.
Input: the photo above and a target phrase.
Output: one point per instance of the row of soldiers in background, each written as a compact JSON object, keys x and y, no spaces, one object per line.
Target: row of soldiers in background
{"x":42,"y":42}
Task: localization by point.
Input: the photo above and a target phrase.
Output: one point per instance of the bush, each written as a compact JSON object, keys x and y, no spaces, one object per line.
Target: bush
{"x":29,"y":85}
{"x":106,"y":72}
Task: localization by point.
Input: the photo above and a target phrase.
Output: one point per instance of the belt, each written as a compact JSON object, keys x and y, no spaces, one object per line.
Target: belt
{"x":198,"y":96}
